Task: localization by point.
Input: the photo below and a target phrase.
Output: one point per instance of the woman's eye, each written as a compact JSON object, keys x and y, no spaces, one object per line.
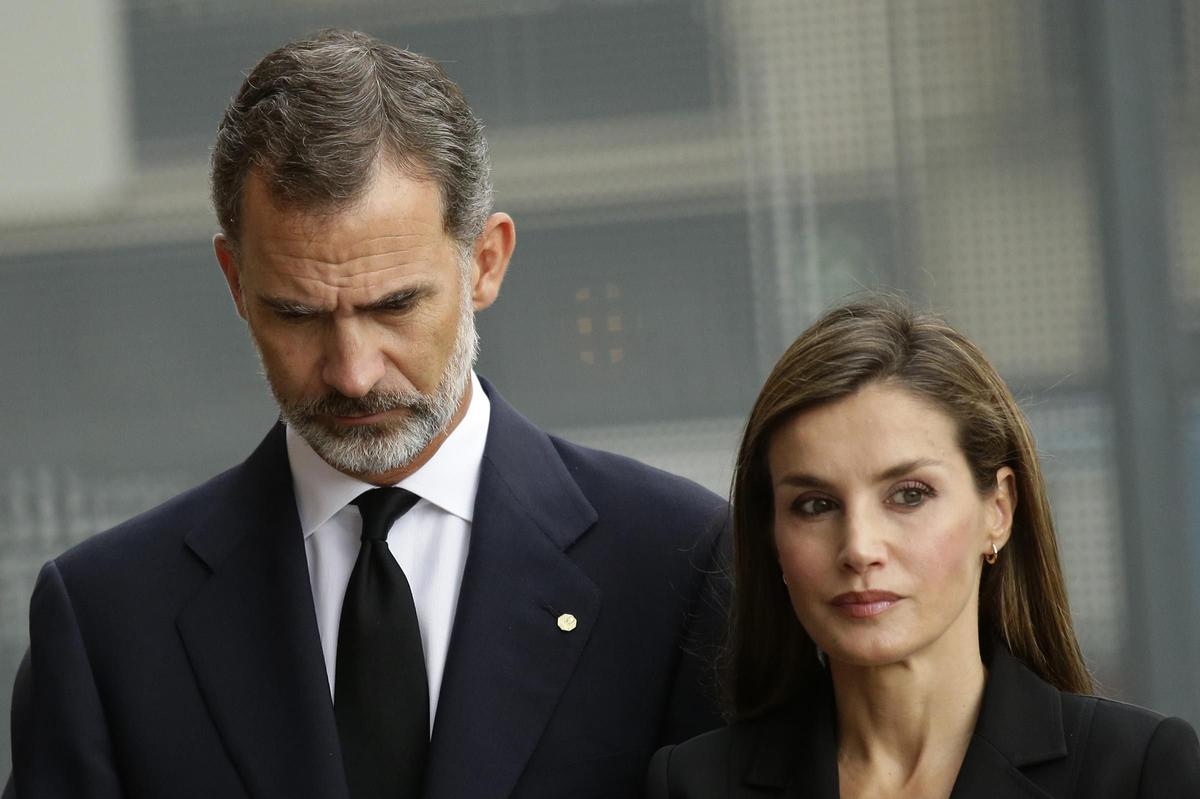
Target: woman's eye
{"x":813,"y":506}
{"x":912,"y":496}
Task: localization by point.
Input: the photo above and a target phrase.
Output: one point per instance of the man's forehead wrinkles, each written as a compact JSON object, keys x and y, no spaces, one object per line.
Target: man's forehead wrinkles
{"x":317,"y":238}
{"x":332,"y":277}
{"x":291,"y":265}
{"x":342,"y":252}
{"x":366,"y":223}
{"x":376,"y":262}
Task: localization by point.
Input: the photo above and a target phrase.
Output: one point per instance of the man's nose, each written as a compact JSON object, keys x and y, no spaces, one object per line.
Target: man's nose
{"x":863,"y":542}
{"x":353,"y":363}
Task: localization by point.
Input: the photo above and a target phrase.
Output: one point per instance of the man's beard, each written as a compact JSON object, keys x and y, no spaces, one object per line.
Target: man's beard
{"x":394,"y":444}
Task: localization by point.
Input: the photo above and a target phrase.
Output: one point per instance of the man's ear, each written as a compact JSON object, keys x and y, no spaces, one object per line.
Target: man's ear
{"x":493,"y":249}
{"x":227,"y":257}
{"x":1003,"y":505}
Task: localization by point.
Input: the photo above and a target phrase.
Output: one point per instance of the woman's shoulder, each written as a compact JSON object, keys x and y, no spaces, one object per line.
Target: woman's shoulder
{"x":1116,"y":736}
{"x":1082,"y":745}
{"x":1120,"y":725}
{"x":695,"y":768}
{"x":715,"y":763}
{"x":706,"y":749}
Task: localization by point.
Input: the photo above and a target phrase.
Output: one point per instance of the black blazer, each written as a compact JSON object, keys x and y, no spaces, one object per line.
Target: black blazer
{"x":1031,"y":741}
{"x":178,"y":655}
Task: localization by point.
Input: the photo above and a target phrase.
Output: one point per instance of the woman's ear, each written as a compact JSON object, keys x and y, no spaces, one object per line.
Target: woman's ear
{"x":1003,"y":504}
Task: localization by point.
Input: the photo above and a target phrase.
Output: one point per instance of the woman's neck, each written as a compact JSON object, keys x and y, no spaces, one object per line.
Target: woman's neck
{"x":904,"y":728}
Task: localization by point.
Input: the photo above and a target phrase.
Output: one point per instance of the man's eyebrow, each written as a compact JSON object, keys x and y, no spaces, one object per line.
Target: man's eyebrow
{"x":397,"y":300}
{"x":289,"y":307}
{"x":891,"y":473}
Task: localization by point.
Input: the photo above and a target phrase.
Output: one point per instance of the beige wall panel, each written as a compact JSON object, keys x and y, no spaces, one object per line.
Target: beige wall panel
{"x":1011,"y":248}
{"x":1183,"y":209}
{"x":816,"y":83}
{"x":64,"y":147}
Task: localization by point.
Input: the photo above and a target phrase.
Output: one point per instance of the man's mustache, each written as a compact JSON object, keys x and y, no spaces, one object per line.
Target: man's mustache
{"x":335,"y":404}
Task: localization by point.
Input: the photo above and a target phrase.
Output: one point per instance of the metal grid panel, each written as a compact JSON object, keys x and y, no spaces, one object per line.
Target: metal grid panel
{"x":519,"y":63}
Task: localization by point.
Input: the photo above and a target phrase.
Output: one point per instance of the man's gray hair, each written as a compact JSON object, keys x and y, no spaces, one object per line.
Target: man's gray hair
{"x":316,"y":118}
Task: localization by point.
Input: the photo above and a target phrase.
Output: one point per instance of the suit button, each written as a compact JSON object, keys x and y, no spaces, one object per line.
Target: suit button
{"x":567,"y":622}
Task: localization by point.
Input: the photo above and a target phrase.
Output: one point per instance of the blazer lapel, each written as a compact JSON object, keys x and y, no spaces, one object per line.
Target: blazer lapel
{"x":1020,"y":725}
{"x":510,"y":652}
{"x":251,"y":635}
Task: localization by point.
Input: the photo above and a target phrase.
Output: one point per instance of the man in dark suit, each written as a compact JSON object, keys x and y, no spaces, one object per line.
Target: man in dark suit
{"x":403,"y":551}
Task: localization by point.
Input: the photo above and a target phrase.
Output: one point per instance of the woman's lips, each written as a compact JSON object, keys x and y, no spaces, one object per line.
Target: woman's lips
{"x":864,"y":604}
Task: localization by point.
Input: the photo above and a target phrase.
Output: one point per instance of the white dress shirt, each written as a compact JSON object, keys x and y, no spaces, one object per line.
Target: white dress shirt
{"x":429,"y":542}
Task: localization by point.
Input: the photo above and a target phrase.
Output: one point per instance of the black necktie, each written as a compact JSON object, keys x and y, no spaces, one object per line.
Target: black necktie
{"x":381,"y":692}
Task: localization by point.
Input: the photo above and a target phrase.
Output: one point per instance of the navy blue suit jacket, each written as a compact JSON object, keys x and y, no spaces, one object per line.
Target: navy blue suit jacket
{"x":177,"y":655}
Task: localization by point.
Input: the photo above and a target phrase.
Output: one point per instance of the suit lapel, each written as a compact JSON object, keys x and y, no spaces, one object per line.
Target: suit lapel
{"x":509,"y":660}
{"x":1020,"y":725}
{"x":251,"y":635}
{"x":987,"y":772}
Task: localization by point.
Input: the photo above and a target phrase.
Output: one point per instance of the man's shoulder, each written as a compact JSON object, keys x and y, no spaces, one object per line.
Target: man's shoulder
{"x":643,"y":511}
{"x":150,"y":534}
{"x":602,"y":476}
{"x":625,"y":479}
{"x":158,"y":533}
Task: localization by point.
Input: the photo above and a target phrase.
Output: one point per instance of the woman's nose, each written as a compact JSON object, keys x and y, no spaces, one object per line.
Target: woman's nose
{"x":863,"y":543}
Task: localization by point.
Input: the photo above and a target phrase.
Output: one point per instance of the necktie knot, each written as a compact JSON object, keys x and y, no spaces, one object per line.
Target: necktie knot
{"x":380,"y":507}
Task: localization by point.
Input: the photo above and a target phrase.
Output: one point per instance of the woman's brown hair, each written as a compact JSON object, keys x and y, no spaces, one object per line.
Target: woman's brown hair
{"x":770,"y":657}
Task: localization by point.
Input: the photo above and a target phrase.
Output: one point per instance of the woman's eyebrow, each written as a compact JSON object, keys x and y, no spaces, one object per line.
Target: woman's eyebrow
{"x":891,"y":473}
{"x":899,"y":469}
{"x":805,"y":480}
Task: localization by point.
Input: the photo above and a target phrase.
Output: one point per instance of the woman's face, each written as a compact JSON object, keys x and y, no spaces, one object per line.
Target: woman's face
{"x":879,"y":527}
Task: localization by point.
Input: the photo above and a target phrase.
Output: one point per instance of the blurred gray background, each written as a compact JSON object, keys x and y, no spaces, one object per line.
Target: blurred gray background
{"x":693,"y":181}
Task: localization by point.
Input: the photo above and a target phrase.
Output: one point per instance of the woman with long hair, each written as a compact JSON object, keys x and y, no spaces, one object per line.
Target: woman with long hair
{"x":900,"y":625}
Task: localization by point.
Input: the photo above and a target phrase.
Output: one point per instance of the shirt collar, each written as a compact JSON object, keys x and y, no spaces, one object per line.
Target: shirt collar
{"x":449,"y":479}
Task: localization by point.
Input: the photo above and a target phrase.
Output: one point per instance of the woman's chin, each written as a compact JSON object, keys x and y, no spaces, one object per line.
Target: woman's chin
{"x":867,"y":651}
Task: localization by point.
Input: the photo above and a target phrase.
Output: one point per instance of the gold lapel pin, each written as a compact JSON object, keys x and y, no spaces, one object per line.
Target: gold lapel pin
{"x":567,"y":622}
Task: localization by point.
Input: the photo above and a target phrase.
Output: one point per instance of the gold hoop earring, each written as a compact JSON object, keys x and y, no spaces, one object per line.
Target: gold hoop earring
{"x":992,"y":556}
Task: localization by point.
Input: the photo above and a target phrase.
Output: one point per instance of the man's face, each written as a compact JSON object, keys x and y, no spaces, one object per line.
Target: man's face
{"x":364,"y":320}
